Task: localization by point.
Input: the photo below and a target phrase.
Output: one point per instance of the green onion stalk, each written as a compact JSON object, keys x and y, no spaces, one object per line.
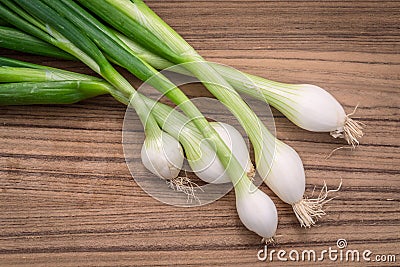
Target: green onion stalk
{"x":278,"y":164}
{"x":166,"y":165}
{"x":20,"y":41}
{"x":262,"y":220}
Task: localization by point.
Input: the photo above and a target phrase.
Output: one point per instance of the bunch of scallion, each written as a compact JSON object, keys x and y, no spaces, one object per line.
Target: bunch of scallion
{"x":131,"y":35}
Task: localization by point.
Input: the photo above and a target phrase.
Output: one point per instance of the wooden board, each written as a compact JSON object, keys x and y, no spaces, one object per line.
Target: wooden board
{"x":67,"y":197}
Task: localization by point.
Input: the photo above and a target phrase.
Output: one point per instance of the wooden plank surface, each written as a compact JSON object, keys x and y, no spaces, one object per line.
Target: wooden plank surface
{"x":67,"y":197}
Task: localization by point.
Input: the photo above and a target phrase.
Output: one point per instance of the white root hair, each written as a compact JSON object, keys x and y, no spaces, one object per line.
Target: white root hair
{"x":268,"y":241}
{"x":352,"y":130}
{"x":309,"y":210}
{"x":185,"y":185}
{"x":336,"y":149}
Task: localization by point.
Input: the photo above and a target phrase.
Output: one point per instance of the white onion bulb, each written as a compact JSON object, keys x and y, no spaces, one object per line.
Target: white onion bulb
{"x":162,"y":155}
{"x":256,"y":211}
{"x":314,"y":109}
{"x":284,"y":175}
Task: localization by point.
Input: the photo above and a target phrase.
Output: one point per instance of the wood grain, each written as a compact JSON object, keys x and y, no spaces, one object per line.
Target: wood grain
{"x":67,"y":197}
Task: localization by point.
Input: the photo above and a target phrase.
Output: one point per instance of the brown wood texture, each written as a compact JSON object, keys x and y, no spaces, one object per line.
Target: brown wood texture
{"x":67,"y":197}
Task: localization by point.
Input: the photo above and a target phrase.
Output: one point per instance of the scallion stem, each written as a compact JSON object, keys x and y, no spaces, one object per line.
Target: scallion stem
{"x":19,"y":41}
{"x":60,"y":92}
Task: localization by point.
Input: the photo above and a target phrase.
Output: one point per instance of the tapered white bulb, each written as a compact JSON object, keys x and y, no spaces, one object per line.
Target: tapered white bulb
{"x":256,"y":211}
{"x":314,"y":109}
{"x":162,"y":155}
{"x":283,"y":172}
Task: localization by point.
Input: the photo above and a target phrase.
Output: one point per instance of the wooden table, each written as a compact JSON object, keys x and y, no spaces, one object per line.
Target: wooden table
{"x":68,"y":199}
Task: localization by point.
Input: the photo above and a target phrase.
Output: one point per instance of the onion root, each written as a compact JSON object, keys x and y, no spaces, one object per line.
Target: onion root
{"x":252,"y":172}
{"x":185,"y":185}
{"x":309,"y":210}
{"x":352,"y":130}
{"x":268,"y":241}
